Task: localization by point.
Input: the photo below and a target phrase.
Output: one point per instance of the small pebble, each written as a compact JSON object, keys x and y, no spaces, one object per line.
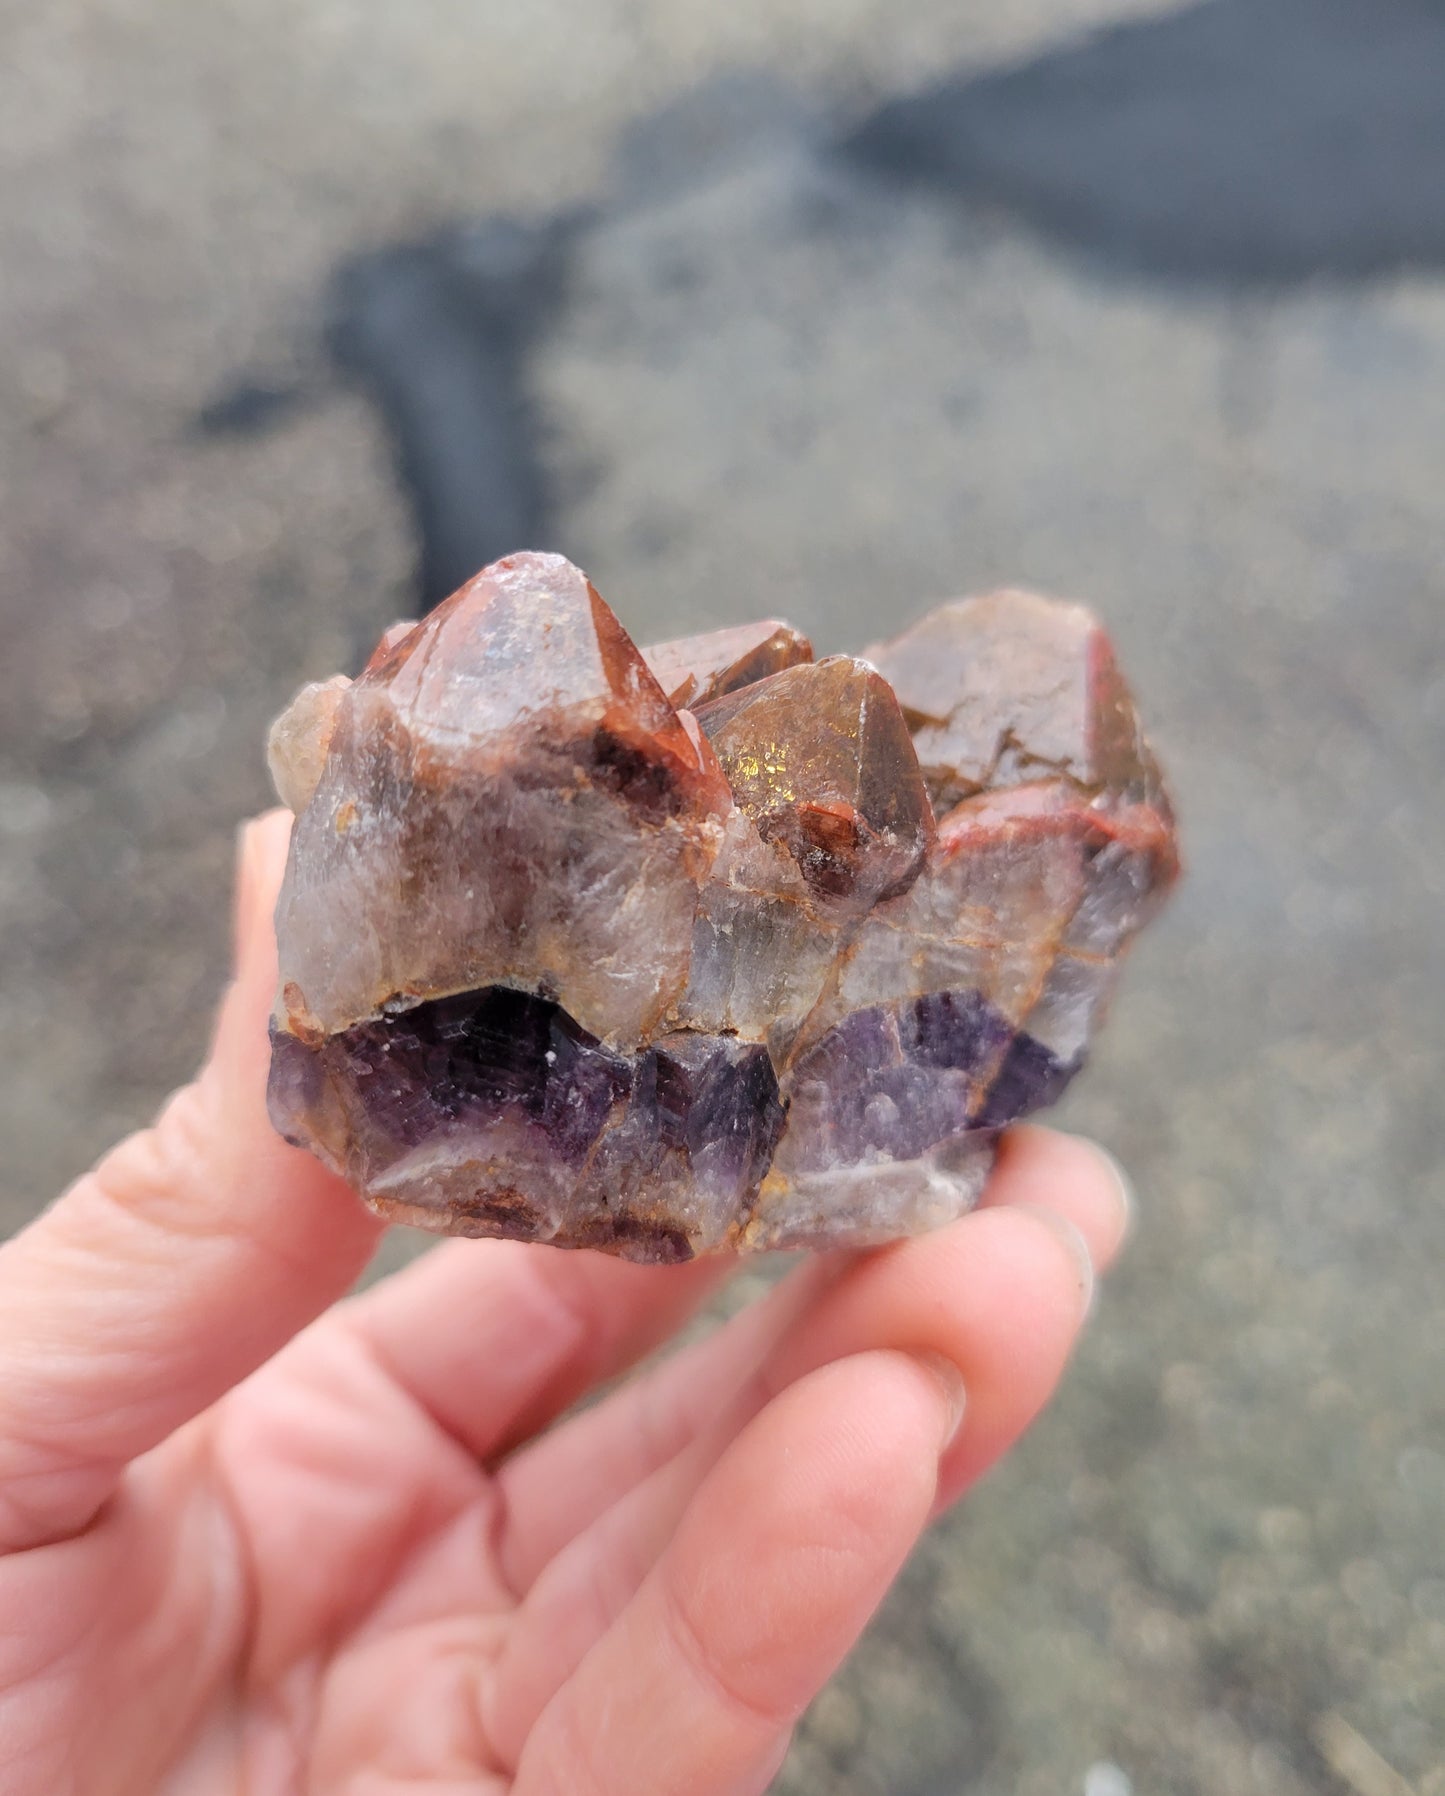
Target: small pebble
{"x":1106,"y":1779}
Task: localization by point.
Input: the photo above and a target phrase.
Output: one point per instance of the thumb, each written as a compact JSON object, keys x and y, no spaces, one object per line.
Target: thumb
{"x":187,"y":1257}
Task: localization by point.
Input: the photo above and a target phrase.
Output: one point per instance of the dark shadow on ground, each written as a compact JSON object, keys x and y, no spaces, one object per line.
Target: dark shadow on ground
{"x":1238,"y":141}
{"x":1245,"y":144}
{"x":438,"y":332}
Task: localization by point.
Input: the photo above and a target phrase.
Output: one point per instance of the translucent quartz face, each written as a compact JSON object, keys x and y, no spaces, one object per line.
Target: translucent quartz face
{"x":702,"y":946}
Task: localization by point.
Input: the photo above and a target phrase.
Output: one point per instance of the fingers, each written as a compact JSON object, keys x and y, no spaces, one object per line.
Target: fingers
{"x":782,"y":1557}
{"x":998,"y":1298}
{"x":1001,"y":1293}
{"x":495,"y":1338}
{"x":1003,"y":1300}
{"x":583,"y":1589}
{"x":192,"y":1252}
{"x":616,"y":1444}
{"x":1069,"y":1175}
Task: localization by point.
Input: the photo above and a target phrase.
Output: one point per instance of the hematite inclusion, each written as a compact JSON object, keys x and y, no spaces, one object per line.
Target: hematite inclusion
{"x":565,"y":961}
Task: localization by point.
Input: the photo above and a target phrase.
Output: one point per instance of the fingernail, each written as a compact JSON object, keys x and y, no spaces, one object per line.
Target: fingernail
{"x":1077,"y":1247}
{"x":1123,"y":1191}
{"x":940,"y":1367}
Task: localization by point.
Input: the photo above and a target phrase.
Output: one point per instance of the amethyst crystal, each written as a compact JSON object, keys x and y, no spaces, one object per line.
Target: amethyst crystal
{"x":707,"y":945}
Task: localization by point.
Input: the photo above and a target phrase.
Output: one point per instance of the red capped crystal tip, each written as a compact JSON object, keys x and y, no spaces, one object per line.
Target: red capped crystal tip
{"x":706,"y":946}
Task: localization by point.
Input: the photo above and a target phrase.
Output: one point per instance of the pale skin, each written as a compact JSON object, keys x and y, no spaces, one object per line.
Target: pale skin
{"x":261,"y":1539}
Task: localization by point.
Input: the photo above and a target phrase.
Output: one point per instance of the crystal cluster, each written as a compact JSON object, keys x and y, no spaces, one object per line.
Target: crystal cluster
{"x":708,"y":945}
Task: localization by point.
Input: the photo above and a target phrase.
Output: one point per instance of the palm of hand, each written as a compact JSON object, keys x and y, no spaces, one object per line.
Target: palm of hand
{"x":380,"y":1563}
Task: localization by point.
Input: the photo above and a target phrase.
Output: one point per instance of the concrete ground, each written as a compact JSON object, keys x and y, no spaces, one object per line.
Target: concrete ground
{"x":784,"y":379}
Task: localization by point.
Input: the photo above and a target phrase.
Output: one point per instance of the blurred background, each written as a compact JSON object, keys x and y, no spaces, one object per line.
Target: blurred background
{"x":828,"y":309}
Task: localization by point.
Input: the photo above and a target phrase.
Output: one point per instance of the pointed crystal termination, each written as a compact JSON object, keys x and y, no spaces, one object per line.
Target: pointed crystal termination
{"x":695,"y":669}
{"x":505,"y":796}
{"x":819,"y":759}
{"x":565,"y":962}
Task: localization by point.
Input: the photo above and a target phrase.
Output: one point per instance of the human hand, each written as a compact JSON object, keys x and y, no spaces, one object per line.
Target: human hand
{"x":245,"y":1550}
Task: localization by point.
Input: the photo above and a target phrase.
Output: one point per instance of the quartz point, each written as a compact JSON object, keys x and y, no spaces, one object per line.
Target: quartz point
{"x":819,"y":758}
{"x":694,"y":669}
{"x":705,"y":946}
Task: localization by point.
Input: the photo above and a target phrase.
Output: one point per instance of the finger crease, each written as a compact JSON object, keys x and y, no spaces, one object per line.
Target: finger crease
{"x":702,"y":1663}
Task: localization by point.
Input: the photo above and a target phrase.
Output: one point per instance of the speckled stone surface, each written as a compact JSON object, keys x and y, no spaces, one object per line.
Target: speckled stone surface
{"x":1221,"y":1547}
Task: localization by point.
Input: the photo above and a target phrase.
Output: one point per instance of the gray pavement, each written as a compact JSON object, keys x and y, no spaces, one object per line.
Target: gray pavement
{"x":778,"y":382}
